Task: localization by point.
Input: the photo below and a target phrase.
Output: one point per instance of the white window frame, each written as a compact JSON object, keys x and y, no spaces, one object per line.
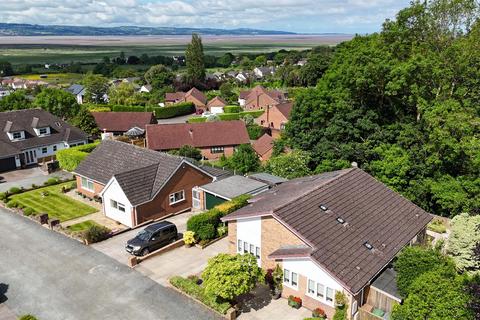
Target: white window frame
{"x":44,"y":150}
{"x":258,"y":254}
{"x":288,"y":280}
{"x":54,"y":148}
{"x":172,"y":197}
{"x":311,"y":291}
{"x":85,"y":184}
{"x":117,"y":205}
{"x":326,"y":295}
{"x":239,"y":246}
{"x":217,"y":150}
{"x":320,"y":295}
{"x":16,"y":133}
{"x":42,"y":133}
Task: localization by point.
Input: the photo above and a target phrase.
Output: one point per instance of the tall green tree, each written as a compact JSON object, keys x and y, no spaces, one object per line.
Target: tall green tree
{"x":159,"y":76}
{"x":16,"y":100}
{"x":58,"y":102}
{"x":195,"y":60}
{"x":96,"y":88}
{"x":244,"y":159}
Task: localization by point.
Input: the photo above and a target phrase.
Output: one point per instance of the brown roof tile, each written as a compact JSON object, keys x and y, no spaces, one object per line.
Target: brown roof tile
{"x":217,"y":102}
{"x":285,"y":108}
{"x":372,"y":213}
{"x":123,"y":121}
{"x":263,"y":145}
{"x":199,"y":135}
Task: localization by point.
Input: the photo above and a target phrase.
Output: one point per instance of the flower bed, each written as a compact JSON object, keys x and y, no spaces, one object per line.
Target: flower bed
{"x":192,"y":286}
{"x":295,"y":302}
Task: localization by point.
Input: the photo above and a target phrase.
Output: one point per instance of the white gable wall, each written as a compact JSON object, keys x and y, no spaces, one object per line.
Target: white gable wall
{"x":113,"y":191}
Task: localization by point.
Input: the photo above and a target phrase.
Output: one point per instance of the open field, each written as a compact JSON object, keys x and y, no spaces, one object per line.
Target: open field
{"x":21,"y":50}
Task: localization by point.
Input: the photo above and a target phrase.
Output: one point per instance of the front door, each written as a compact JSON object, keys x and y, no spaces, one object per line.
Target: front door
{"x":30,"y":157}
{"x":196,"y":201}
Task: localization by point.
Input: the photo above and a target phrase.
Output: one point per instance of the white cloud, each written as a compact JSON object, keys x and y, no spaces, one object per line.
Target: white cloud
{"x":295,"y":15}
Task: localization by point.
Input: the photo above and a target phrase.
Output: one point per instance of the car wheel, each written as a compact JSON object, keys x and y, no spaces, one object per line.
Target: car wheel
{"x":145,"y":252}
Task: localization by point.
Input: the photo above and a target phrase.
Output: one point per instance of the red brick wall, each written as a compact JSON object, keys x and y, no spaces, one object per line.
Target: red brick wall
{"x":227,"y":151}
{"x":269,"y":116}
{"x":97,"y":187}
{"x":184,"y":179}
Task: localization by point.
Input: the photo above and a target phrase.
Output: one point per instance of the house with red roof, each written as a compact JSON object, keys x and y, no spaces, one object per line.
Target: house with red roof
{"x":216,"y":105}
{"x":263,"y":147}
{"x":214,"y":139}
{"x":120,"y":122}
{"x":260,"y":98}
{"x":275,"y":118}
{"x":193,"y":95}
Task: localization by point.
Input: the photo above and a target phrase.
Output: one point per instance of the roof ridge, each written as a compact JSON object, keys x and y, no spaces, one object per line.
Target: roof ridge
{"x":317,"y":187}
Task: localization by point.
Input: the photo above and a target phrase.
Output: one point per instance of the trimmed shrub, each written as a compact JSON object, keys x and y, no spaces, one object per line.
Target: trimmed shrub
{"x":189,"y":237}
{"x":340,"y":314}
{"x":51,"y":182}
{"x":190,"y":287}
{"x":89,"y":147}
{"x":232,"y":109}
{"x":222,"y":230}
{"x":211,"y":217}
{"x":197,"y":119}
{"x":233,"y":205}
{"x":99,"y":109}
{"x":96,"y":233}
{"x":69,"y":159}
{"x":229,"y":116}
{"x":14,"y":190}
{"x":254,"y":113}
{"x":3,"y":196}
{"x":11,"y":204}
{"x":180,"y":109}
{"x":206,"y":232}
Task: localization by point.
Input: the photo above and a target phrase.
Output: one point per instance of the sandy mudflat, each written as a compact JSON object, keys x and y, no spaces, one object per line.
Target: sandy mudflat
{"x":172,"y":40}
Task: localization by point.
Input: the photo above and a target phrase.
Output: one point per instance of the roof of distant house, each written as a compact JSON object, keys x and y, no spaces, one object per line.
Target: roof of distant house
{"x":179,"y":96}
{"x":263,"y":145}
{"x":354,"y":224}
{"x":267,"y":178}
{"x":197,"y":94}
{"x":217,"y":102}
{"x":140,"y":172}
{"x":198,"y":135}
{"x":285,"y":108}
{"x":252,"y":95}
{"x":123,"y":121}
{"x":29,"y":119}
{"x":75,"y":89}
{"x":234,"y":186}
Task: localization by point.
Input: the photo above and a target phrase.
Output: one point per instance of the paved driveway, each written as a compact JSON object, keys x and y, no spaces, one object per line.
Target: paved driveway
{"x":26,"y":177}
{"x":54,"y":277}
{"x":115,"y":246}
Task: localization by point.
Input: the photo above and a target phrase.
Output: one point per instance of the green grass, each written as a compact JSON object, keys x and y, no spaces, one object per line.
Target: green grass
{"x":82,"y":226}
{"x":55,"y":78}
{"x":56,"y":204}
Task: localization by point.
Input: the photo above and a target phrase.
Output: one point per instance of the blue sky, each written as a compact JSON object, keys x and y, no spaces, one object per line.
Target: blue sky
{"x":310,"y":16}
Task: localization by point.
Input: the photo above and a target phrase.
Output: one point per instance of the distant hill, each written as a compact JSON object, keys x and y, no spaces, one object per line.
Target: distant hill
{"x":15,"y":29}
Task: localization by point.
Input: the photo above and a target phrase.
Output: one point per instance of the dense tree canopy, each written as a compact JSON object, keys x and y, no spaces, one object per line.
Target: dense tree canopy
{"x":15,"y":101}
{"x":96,"y":88}
{"x":58,"y":102}
{"x":159,"y":76}
{"x":403,"y":103}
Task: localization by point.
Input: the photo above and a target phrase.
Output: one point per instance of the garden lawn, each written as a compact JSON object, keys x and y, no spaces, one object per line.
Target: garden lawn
{"x":83,"y":226}
{"x":56,"y":204}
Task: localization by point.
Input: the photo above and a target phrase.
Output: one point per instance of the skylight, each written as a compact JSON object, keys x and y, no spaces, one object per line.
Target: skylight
{"x":323,"y":207}
{"x":340,"y":220}
{"x":368,"y":245}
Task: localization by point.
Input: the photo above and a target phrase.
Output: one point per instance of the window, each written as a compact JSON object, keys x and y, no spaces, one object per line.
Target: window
{"x":330,"y":294}
{"x":354,"y":307}
{"x":245,"y":247}
{"x":44,"y":150}
{"x":42,"y":131}
{"x":286,"y":276}
{"x":87,"y":184}
{"x":216,"y":150}
{"x":311,"y":287}
{"x":282,"y":126}
{"x":177,"y":197}
{"x":257,"y":252}
{"x":117,"y":205}
{"x":252,"y":249}
{"x":54,"y":148}
{"x":239,"y":246}
{"x":320,"y":291}
{"x":294,"y":279}
{"x":17,"y":135}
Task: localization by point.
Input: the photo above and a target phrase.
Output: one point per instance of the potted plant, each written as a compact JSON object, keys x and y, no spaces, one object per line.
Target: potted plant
{"x":277,"y":280}
{"x":189,"y":238}
{"x":294,"y":302}
{"x":319,"y":313}
{"x":340,"y":299}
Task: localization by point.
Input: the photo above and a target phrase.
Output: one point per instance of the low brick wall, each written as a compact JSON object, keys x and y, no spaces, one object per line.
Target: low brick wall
{"x":133,"y":261}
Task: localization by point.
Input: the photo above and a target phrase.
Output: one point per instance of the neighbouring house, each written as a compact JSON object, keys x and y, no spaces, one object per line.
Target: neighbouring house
{"x":78,"y":91}
{"x":32,"y":136}
{"x":118,"y":123}
{"x":275,"y":118}
{"x":242,"y":77}
{"x":193,"y":95}
{"x":334,"y":232}
{"x":262,"y":72}
{"x":214,"y":139}
{"x":215,"y":193}
{"x":4,"y":91}
{"x":137,"y":185}
{"x":260,"y":98}
{"x":146,"y":88}
{"x":216,"y":105}
{"x":263,"y":147}
{"x":302,"y":62}
{"x":268,"y":178}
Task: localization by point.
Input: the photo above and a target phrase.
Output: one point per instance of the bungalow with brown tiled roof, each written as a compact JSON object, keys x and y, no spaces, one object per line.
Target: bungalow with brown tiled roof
{"x":216,"y":105}
{"x":214,"y":139}
{"x":260,"y":98}
{"x":334,"y":232}
{"x":120,"y":122}
{"x":263,"y":147}
{"x":275,"y":118}
{"x":193,"y":95}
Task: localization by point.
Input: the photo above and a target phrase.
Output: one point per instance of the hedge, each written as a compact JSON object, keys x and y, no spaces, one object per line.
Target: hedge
{"x":69,"y":159}
{"x":197,"y":119}
{"x":190,"y":287}
{"x":176,"y":110}
{"x":232,"y":109}
{"x":229,"y":116}
{"x":254,"y":113}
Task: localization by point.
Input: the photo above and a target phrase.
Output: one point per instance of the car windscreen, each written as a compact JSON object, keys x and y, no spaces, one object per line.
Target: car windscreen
{"x":144,"y":235}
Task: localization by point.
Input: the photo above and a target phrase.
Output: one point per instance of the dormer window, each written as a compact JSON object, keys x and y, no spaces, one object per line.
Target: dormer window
{"x":17,"y":135}
{"x":44,"y":131}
